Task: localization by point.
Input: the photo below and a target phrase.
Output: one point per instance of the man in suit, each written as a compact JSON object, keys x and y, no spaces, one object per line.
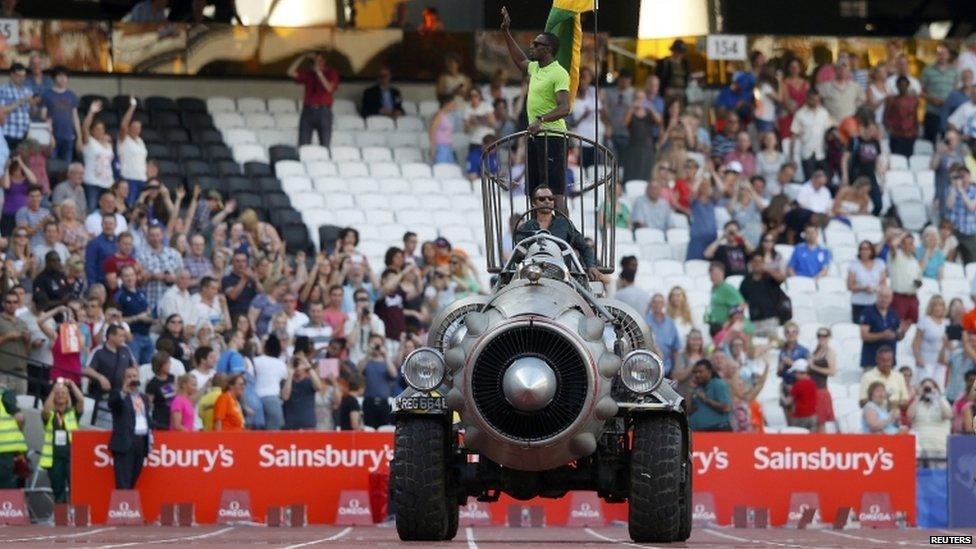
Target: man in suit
{"x":131,"y":434}
{"x":383,"y":98}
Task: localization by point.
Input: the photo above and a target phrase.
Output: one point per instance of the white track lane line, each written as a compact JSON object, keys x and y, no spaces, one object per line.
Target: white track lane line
{"x":598,"y":535}
{"x":59,"y":536}
{"x":342,"y":533}
{"x":469,"y":535}
{"x":170,"y":540}
{"x":874,"y":540}
{"x":746,"y":540}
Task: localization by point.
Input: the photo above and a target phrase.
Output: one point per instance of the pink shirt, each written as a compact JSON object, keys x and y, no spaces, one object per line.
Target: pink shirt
{"x":189,"y":415}
{"x":66,"y":365}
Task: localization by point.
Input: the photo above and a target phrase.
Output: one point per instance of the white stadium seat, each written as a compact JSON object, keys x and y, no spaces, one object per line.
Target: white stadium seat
{"x":251,"y":104}
{"x":353,"y":169}
{"x":377,"y":154}
{"x":349,"y":123}
{"x":287,"y":168}
{"x":410,"y":124}
{"x":239,"y":136}
{"x":249,"y":152}
{"x":227,"y":120}
{"x":286,"y":120}
{"x":416,"y":170}
{"x":372,"y":138}
{"x":345,"y":107}
{"x":341,"y":154}
{"x":383,"y":170}
{"x":311,"y":153}
{"x":294,"y":185}
{"x":220,"y":104}
{"x":405,"y":155}
{"x":380,"y":123}
{"x":282,"y":105}
{"x":321,"y":169}
{"x":330,"y":185}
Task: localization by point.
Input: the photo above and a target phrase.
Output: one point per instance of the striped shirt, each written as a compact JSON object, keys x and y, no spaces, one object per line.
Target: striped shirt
{"x":960,"y":215}
{"x":938,"y":83}
{"x":18,"y":120}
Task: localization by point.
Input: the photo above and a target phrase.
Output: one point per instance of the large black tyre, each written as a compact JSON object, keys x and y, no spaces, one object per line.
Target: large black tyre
{"x":686,"y":501}
{"x":453,"y":518}
{"x":418,"y":474}
{"x":658,"y":491}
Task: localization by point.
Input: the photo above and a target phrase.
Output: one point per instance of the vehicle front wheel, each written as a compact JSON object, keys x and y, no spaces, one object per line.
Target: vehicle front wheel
{"x":659,"y":498}
{"x":419,"y":480}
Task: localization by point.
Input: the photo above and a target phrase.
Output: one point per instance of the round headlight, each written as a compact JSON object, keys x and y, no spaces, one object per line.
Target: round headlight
{"x":424,"y":369}
{"x":642,"y":371}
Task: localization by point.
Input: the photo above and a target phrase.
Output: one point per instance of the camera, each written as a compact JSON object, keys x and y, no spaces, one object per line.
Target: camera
{"x":927,"y":389}
{"x":377,"y":347}
{"x":60,"y":381}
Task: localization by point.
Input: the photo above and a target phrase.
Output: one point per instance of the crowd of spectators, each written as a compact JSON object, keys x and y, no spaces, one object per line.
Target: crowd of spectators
{"x":229,"y":332}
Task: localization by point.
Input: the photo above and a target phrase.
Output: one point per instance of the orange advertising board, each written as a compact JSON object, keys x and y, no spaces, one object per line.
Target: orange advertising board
{"x":284,"y":468}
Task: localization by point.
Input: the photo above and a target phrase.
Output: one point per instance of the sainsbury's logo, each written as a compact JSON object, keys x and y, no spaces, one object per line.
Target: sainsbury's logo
{"x":823,"y":460}
{"x":165,"y":456}
{"x":706,"y":460}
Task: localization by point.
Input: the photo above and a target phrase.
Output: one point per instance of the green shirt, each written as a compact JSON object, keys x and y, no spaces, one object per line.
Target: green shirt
{"x":938,"y":83}
{"x":724,"y":297}
{"x":706,"y":418}
{"x":544,"y":82}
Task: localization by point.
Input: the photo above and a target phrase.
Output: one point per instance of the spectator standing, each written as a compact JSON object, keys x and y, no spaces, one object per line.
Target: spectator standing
{"x":196,"y":263}
{"x":731,"y":250}
{"x":956,"y":98}
{"x":724,"y":297}
{"x":479,"y":121}
{"x":60,"y":417}
{"x":880,"y":327}
{"x":930,"y":255}
{"x":270,"y":372}
{"x":803,"y":397}
{"x":131,"y":430}
{"x":665,"y":333}
{"x":877,"y":418}
{"x":12,"y":441}
{"x":896,"y":389}
{"x":240,"y":286}
{"x":938,"y":80}
{"x":962,"y":204}
{"x":588,"y":117}
{"x":900,"y":119}
{"x":769,"y":162}
{"x":205,"y":361}
{"x":112,"y":266}
{"x":183,"y":415}
{"x":380,"y":373}
{"x":96,"y":147}
{"x":106,"y":371}
{"x":906,"y":277}
{"x":161,"y":390}
{"x":176,"y":300}
{"x":929,"y":344}
{"x":814,"y":194}
{"x":822,"y":366}
{"x":948,"y":153}
{"x":211,"y":305}
{"x":641,"y":121}
{"x":361,"y":325}
{"x":711,"y":403}
{"x":742,"y":153}
{"x":382,"y":98}
{"x":810,"y":124}
{"x":865,"y":277}
{"x":317,"y":330}
{"x":673,"y":71}
{"x":965,"y":408}
{"x":298,"y":393}
{"x":902,"y":70}
{"x":60,"y":106}
{"x":810,"y":259}
{"x":620,"y":99}
{"x":227,"y":412}
{"x":724,"y":140}
{"x":763,"y":294}
{"x":160,"y":265}
{"x":791,"y":352}
{"x":877,"y":93}
{"x":931,"y":416}
{"x":132,"y":153}
{"x":841,"y":96}
{"x":703,"y":222}
{"x":861,"y":159}
{"x":72,"y":189}
{"x":17,"y":179}
{"x":14,"y":342}
{"x":349,"y":414}
{"x":441,"y":133}
{"x":453,"y":83}
{"x":320,"y":82}
{"x":16,"y":97}
{"x":651,"y":209}
{"x":793,"y":93}
{"x":32,"y":217}
{"x":106,"y":208}
{"x":135,"y":312}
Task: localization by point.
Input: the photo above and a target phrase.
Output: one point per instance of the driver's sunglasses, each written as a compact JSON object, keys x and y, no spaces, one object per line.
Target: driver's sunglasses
{"x":545,"y":199}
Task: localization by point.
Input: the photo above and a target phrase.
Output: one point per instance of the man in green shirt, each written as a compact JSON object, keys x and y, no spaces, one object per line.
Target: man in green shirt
{"x":724,"y":297}
{"x":547,"y":105}
{"x":938,"y":80}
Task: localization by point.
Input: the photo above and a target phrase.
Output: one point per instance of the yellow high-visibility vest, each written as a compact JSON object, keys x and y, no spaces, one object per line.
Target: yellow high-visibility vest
{"x":70,"y":425}
{"x":11,"y":438}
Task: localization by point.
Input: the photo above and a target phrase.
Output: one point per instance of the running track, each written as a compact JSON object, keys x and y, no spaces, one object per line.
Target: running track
{"x":469,"y":538}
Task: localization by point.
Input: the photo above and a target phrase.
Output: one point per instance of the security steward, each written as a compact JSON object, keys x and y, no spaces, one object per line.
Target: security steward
{"x":12,"y":441}
{"x":60,"y":422}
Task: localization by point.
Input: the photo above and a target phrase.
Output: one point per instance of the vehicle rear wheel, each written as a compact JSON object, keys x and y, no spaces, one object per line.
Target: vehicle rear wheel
{"x":419,"y":477}
{"x":659,"y":498}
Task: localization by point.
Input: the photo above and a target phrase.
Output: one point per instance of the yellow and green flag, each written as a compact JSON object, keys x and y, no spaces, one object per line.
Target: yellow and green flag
{"x":564,"y":22}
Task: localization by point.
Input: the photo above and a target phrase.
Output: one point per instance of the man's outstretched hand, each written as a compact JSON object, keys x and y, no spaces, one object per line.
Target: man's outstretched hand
{"x":506,"y":20}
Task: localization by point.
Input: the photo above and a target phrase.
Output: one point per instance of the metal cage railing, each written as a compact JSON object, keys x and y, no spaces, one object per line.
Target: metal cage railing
{"x":591,"y":193}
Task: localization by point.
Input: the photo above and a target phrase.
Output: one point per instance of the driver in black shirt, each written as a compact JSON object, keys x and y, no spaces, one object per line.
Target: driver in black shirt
{"x":559,"y":227}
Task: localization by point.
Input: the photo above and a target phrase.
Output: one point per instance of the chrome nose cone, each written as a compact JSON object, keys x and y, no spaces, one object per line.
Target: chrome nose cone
{"x":529,"y":384}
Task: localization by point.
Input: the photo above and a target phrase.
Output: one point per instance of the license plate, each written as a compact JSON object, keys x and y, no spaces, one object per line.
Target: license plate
{"x":420,"y":403}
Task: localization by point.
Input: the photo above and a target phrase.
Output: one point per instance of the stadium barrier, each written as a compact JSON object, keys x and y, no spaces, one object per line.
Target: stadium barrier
{"x":961,"y":470}
{"x":330,"y":473}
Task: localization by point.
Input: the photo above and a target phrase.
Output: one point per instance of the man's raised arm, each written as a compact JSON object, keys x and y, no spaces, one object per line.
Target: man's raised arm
{"x":518,"y":56}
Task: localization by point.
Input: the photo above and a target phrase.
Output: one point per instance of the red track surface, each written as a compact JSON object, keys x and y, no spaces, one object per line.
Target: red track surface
{"x":472,"y":538}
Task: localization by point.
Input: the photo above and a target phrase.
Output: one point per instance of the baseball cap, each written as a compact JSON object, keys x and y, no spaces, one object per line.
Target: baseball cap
{"x":442,"y":242}
{"x":734,"y":166}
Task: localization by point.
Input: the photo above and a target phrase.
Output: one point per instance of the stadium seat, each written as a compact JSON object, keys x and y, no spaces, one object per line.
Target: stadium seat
{"x":416,"y":170}
{"x":195,"y":168}
{"x":267,"y":184}
{"x":342,"y":153}
{"x":296,"y":238}
{"x":251,"y":105}
{"x":427,"y":108}
{"x":380,"y":123}
{"x":283,"y":152}
{"x":295,"y":185}
{"x":905,"y":193}
{"x":410,"y":124}
{"x":239,"y":136}
{"x":405,"y":155}
{"x":221,"y":104}
{"x":897,"y":162}
{"x":217,"y":153}
{"x":894,"y":178}
{"x":378,"y":217}
{"x":646,"y":235}
{"x":404,"y":139}
{"x":259,"y":121}
{"x":339,"y":201}
{"x":227,"y":120}
{"x":257,"y":169}
{"x":913,"y":214}
{"x":312,"y":153}
{"x":696,"y":267}
{"x":377,"y":154}
{"x":409,"y":108}
{"x":801,"y":284}
{"x":288,"y":168}
{"x":919,"y":162}
{"x":271,"y":138}
{"x":321,"y":169}
{"x":191,"y":104}
{"x":349,"y":123}
{"x":382,"y":170}
{"x":287,"y":121}
{"x":345,"y":107}
{"x":406,"y":201}
{"x":249,"y":152}
{"x":282,"y":105}
{"x":353,"y":169}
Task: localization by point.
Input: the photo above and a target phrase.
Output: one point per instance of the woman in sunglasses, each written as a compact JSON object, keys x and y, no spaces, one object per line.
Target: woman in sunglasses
{"x":823,"y":364}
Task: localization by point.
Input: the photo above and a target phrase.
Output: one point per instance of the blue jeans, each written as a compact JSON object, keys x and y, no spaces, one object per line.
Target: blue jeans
{"x":135,"y":187}
{"x":142,"y":348}
{"x":64,"y":148}
{"x":92,"y":192}
{"x":274,"y":415}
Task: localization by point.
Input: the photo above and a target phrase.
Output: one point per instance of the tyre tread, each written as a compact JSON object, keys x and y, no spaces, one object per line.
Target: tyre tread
{"x":418,"y":474}
{"x":657,"y":489}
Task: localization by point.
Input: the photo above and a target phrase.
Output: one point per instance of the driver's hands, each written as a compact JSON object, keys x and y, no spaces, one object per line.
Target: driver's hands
{"x":594,"y":274}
